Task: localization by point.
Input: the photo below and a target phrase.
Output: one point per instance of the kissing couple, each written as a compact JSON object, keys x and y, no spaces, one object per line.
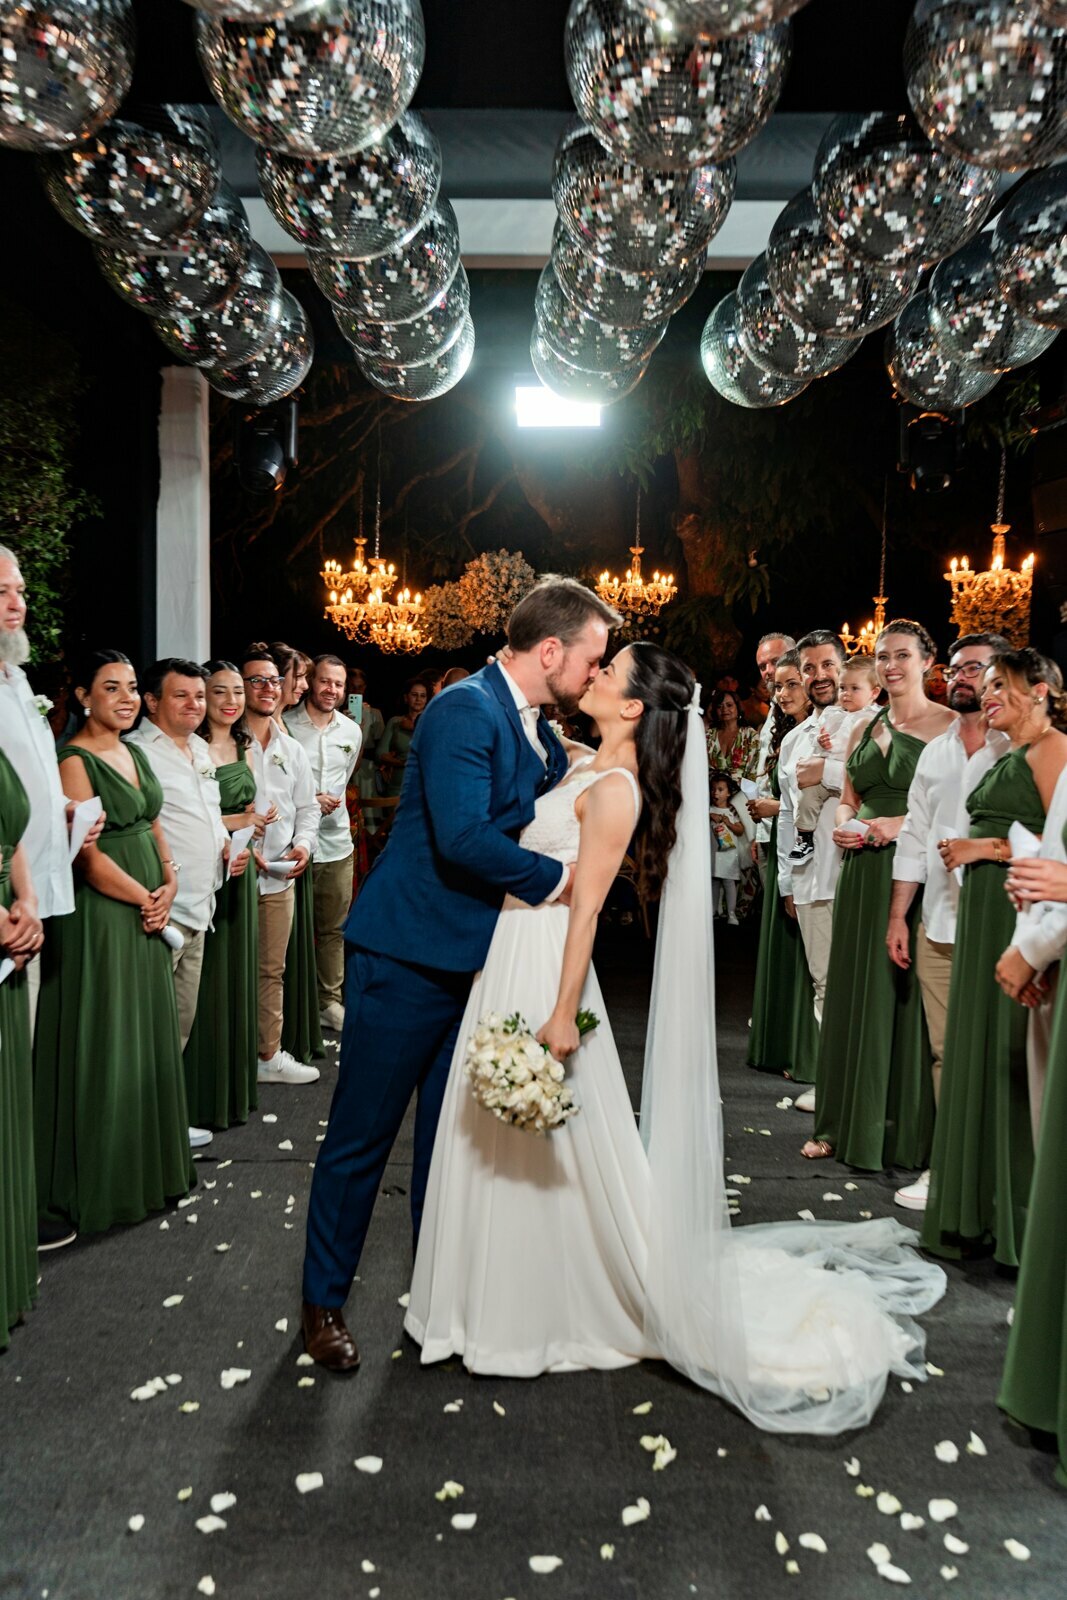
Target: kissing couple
{"x":595,"y":1246}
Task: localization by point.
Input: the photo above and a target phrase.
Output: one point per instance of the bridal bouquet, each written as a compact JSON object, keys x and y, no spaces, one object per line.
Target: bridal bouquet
{"x":516,"y":1078}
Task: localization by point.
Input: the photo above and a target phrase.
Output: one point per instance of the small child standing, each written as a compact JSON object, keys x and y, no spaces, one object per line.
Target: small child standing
{"x":732,"y":831}
{"x":854,"y":709}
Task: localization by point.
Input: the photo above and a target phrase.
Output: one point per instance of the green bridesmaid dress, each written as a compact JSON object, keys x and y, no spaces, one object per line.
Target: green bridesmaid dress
{"x":983,"y":1159}
{"x":1034,"y":1389}
{"x":220,"y":1057}
{"x":18,"y":1198}
{"x":784,"y":1036}
{"x":301,"y":1033}
{"x":875,"y":1098}
{"x":112,"y":1128}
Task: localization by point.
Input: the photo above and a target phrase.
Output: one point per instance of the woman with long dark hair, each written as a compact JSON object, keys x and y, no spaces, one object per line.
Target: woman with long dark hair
{"x":983,"y":1156}
{"x":578,"y":1249}
{"x":220,"y":1057}
{"x":733,"y":746}
{"x":783,"y":1036}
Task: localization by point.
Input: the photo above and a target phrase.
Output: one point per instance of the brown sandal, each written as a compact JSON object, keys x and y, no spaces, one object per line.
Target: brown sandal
{"x":817,"y":1150}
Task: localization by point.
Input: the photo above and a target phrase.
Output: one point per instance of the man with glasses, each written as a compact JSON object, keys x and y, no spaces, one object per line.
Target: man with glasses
{"x":764,"y":807}
{"x":948,"y":770}
{"x":285,"y":793}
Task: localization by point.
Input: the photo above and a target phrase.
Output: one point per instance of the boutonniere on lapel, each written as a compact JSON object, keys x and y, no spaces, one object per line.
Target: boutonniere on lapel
{"x":207,"y":771}
{"x":42,"y":704}
{"x":556,"y":728}
{"x":347,"y":749}
{"x":278,"y":760}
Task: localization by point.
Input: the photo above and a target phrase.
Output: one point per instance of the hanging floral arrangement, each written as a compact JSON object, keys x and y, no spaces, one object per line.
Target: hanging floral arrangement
{"x":492,"y":586}
{"x":444,"y":619}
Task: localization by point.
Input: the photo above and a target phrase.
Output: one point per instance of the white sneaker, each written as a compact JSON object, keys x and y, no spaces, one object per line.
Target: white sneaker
{"x":198,"y":1137}
{"x":732,"y":922}
{"x":284,"y":1068}
{"x":805,"y":1101}
{"x":915,"y":1196}
{"x":332,"y":1016}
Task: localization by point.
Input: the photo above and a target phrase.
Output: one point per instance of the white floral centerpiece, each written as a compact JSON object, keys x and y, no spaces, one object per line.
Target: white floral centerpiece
{"x":518,"y":1079}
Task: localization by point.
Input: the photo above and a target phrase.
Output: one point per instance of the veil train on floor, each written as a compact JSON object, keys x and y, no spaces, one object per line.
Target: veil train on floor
{"x":798,"y":1325}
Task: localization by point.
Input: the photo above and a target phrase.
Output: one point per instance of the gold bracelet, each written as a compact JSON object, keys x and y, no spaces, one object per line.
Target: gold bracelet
{"x":998,"y":851}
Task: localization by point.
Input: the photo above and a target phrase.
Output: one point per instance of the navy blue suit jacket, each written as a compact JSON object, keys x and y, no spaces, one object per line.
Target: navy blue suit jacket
{"x":470,"y":783}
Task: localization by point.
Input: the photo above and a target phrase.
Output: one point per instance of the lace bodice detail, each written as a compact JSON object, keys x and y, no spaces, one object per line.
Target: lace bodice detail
{"x":555,"y":829}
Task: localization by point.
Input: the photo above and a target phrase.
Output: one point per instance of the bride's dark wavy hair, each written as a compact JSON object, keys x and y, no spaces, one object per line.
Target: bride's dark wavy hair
{"x":664,"y":685}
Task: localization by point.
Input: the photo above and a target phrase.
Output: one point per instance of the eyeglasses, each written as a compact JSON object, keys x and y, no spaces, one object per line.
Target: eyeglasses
{"x":264,"y":683}
{"x":969,"y":669}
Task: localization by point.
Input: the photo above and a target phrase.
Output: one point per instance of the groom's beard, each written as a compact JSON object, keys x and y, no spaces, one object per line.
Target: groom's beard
{"x":14,"y":646}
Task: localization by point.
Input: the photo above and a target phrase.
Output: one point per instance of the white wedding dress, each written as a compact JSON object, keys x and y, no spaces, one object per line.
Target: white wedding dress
{"x":579,"y":1250}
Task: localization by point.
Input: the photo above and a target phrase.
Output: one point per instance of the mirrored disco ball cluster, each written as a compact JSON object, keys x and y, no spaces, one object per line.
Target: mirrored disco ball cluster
{"x":1030,"y":248}
{"x":923,"y":372}
{"x":987,"y":79}
{"x":667,"y":92}
{"x":352,"y":174}
{"x":65,"y":67}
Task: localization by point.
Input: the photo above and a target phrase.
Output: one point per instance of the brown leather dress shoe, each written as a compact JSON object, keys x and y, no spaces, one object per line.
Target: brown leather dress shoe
{"x":327,"y":1339}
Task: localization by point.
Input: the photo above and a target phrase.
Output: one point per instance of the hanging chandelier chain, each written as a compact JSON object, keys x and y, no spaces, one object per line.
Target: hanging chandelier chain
{"x":1002,"y":483}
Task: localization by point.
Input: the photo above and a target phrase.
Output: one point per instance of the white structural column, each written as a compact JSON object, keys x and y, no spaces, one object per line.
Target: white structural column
{"x":183,"y":519}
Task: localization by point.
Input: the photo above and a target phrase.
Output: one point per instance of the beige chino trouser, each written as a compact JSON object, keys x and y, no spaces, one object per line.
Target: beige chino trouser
{"x":275,"y":925}
{"x":332,"y":882}
{"x":816,"y":921}
{"x":933,"y":968}
{"x":188,"y":963}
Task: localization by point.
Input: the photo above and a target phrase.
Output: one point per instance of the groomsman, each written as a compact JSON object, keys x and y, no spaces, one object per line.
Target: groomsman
{"x":26,"y":740}
{"x":807,"y":888}
{"x":765,"y":807}
{"x":191,"y":818}
{"x":331,"y":742}
{"x":948,"y":769}
{"x":285,"y":791}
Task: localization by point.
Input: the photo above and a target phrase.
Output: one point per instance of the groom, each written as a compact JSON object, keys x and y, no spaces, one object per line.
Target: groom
{"x":482,"y":753}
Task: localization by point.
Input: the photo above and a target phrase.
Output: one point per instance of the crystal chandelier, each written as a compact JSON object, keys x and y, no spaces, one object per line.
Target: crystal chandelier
{"x":634,"y":594}
{"x":397,"y":627}
{"x":862,"y":643}
{"x":997,"y":600}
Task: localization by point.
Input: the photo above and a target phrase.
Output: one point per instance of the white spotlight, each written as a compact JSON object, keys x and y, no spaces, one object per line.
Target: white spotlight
{"x":538,"y":407}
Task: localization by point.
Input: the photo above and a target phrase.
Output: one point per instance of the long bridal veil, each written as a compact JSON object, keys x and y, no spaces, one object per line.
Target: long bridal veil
{"x":797,"y":1324}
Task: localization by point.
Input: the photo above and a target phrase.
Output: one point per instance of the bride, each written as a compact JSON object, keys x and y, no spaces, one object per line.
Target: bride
{"x":597,"y":1246}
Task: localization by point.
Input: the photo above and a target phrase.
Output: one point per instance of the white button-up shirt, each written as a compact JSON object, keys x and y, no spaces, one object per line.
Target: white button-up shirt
{"x":763,"y":777}
{"x":332,"y":754}
{"x":26,"y":740}
{"x":816,"y":878}
{"x":528,"y":716}
{"x":1041,"y":930}
{"x":937,"y":809}
{"x":283,"y":779}
{"x":191,"y":820}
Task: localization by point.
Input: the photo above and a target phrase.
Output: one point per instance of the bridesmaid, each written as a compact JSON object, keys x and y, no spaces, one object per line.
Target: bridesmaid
{"x":112,"y":1124}
{"x":18,"y":1196}
{"x":1034,"y":1390}
{"x":874,"y":1103}
{"x":391,"y":751}
{"x":301,"y":1030}
{"x":784,"y":1036}
{"x":220,"y":1057}
{"x":982,"y":1163}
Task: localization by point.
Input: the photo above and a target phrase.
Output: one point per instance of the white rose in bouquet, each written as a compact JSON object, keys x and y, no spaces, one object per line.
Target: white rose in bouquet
{"x":518,"y":1079}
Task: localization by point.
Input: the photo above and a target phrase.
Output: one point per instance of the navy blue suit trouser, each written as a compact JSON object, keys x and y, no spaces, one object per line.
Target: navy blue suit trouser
{"x":401,"y":1023}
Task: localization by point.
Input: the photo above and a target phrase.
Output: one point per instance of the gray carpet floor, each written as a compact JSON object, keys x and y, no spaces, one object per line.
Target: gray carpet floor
{"x":547,"y":1467}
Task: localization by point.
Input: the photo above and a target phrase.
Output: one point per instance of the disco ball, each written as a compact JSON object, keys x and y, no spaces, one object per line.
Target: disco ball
{"x":279,"y":368}
{"x":823,"y":287}
{"x":632,"y":217}
{"x":1030,"y":246}
{"x":569,"y":382}
{"x":357,"y":206}
{"x":234,"y":332}
{"x":971,"y":318}
{"x":723,"y":17}
{"x":885,"y":193}
{"x":774,"y":341}
{"x":730,"y":371}
{"x":133,"y":185}
{"x":65,"y":67}
{"x":657,"y":93}
{"x":987,"y":80}
{"x":252,"y":10}
{"x":322,"y":82}
{"x":921,"y":370}
{"x":622,"y":299}
{"x":194,"y":272}
{"x":400,"y":284}
{"x":581,"y":340}
{"x":406,"y":344}
{"x":430,"y":379}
